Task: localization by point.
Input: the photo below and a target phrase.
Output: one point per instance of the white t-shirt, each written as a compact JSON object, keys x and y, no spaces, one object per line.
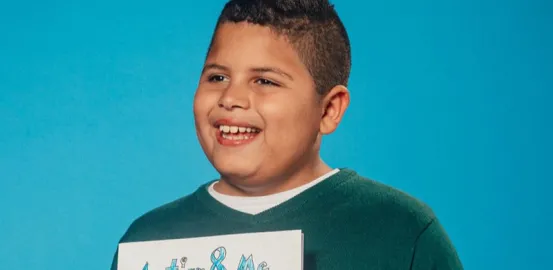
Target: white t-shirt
{"x":256,"y":205}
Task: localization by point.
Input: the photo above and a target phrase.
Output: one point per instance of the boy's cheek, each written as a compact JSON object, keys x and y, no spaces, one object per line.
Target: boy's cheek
{"x":203,"y":104}
{"x":289,"y":115}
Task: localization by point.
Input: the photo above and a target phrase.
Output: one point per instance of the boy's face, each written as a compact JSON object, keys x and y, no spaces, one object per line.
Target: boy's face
{"x":256,"y":110}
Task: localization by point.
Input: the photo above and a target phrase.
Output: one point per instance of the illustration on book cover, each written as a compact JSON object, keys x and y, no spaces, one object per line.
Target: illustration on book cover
{"x":217,"y":257}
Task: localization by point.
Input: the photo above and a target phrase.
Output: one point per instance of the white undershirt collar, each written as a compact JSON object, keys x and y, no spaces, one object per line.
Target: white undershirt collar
{"x":256,"y":205}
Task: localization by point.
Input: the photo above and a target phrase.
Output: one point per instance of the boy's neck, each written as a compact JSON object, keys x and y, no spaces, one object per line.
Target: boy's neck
{"x":280,"y":183}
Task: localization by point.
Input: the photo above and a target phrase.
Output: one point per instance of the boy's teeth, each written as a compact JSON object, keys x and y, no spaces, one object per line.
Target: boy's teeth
{"x":236,"y":137}
{"x":236,"y":129}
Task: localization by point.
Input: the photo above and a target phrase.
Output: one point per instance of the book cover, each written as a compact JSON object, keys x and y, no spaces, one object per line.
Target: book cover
{"x":249,"y":251}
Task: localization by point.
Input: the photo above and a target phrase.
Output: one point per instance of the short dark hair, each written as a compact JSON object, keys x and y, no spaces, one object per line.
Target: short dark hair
{"x":312,"y":27}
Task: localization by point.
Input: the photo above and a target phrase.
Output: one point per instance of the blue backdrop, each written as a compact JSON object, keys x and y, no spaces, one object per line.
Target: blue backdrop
{"x":451,"y":102}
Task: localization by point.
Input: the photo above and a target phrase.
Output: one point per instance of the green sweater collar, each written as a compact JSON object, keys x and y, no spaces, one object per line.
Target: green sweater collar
{"x":311,"y":197}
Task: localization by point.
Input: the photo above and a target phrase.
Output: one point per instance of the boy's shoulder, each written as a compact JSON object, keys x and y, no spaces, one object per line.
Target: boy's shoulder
{"x":373,"y":200}
{"x":147,"y":226}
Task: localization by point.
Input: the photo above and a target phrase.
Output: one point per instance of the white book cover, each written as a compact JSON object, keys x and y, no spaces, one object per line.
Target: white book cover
{"x":281,"y":250}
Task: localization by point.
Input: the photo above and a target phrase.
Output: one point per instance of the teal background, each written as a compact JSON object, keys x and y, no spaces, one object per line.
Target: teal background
{"x":451,"y":102}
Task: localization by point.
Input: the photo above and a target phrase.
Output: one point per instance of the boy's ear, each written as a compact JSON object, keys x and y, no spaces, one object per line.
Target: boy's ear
{"x":335,"y":103}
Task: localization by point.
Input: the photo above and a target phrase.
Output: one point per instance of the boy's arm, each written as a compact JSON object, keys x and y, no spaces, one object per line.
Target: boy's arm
{"x":434,"y":251}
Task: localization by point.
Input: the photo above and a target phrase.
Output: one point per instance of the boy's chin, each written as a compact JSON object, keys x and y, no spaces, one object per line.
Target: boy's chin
{"x":236,"y":177}
{"x":243,"y":176}
{"x":235,"y":170}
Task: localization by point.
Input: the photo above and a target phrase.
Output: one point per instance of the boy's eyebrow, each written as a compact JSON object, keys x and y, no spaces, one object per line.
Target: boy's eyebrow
{"x":257,"y":69}
{"x":273,"y":70}
{"x":214,"y":66}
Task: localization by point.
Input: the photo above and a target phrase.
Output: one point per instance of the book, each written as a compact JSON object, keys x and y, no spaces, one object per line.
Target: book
{"x":250,"y":251}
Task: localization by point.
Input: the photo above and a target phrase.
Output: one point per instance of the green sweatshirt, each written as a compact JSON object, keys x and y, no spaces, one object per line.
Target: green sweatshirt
{"x":348,"y":222}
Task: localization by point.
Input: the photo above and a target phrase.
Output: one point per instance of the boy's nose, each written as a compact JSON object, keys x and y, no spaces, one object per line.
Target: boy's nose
{"x":235,"y":97}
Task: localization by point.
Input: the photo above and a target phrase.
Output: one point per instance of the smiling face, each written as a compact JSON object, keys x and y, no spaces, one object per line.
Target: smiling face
{"x":257,"y":113}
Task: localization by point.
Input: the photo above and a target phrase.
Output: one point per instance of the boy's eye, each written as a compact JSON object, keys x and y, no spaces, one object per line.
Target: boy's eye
{"x":265,"y":82}
{"x":216,"y":78}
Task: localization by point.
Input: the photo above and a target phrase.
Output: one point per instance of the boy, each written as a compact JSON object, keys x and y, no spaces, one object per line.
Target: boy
{"x":274,"y":82}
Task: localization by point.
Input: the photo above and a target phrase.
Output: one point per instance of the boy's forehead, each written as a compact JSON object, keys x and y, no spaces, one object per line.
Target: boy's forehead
{"x":254,"y":44}
{"x":229,"y":33}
